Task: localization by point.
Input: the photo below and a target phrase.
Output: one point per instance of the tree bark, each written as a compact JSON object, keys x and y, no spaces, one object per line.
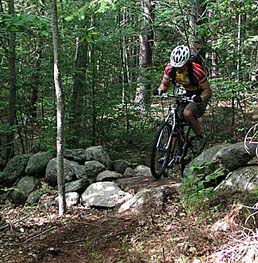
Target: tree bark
{"x":12,"y":86}
{"x":196,"y":11}
{"x":59,"y":112}
{"x":145,"y":54}
{"x":36,"y":72}
{"x":79,"y":81}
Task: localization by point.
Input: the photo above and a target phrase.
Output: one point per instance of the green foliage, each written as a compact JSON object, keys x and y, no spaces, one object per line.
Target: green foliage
{"x":25,"y":23}
{"x":225,"y":89}
{"x":111,"y":31}
{"x":196,"y":189}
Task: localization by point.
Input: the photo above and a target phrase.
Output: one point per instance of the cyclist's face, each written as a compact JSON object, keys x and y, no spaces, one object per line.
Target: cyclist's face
{"x":181,"y":69}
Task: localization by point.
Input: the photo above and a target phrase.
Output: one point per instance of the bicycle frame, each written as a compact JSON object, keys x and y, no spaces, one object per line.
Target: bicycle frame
{"x":178,"y":127}
{"x":172,"y":140}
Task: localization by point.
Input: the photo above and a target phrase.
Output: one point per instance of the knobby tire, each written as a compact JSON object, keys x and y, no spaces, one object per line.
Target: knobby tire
{"x":161,"y":150}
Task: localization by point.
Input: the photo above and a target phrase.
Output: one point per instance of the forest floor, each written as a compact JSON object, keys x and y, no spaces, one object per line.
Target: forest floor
{"x":83,"y":235}
{"x":172,"y":234}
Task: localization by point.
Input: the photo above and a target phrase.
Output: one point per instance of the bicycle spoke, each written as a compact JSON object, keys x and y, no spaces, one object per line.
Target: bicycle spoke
{"x":161,"y":151}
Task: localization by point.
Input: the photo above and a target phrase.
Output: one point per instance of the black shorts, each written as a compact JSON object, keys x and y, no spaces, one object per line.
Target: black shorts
{"x":198,"y":109}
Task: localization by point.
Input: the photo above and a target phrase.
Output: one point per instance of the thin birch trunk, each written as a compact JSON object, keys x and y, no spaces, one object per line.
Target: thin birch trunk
{"x":59,"y":116}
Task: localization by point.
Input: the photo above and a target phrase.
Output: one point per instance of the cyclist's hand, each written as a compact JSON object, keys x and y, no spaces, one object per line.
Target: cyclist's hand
{"x":158,"y":91}
{"x":197,"y":98}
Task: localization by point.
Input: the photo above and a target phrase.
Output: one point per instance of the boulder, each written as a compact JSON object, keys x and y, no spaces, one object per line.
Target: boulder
{"x":27,"y":184}
{"x":205,"y":156}
{"x":92,"y":169}
{"x":233,"y":157}
{"x":2,"y":163}
{"x":97,"y":153}
{"x":77,"y":155}
{"x":34,"y":197}
{"x":71,"y":199}
{"x":2,"y":178}
{"x":18,"y":197}
{"x":14,"y":170}
{"x":108,"y":176}
{"x":242,"y":179}
{"x":145,"y":198}
{"x":78,"y":186}
{"x":104,"y":195}
{"x":72,"y":170}
{"x":120,"y":166}
{"x":129,"y":172}
{"x":37,"y":163}
{"x":142,"y":170}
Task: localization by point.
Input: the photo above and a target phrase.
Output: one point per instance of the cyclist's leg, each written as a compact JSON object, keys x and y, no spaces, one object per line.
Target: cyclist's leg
{"x":192,"y":112}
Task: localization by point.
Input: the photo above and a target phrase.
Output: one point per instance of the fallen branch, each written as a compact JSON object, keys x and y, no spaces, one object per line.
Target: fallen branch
{"x":11,"y":224}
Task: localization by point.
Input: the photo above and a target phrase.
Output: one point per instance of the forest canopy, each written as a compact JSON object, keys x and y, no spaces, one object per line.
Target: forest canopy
{"x":110,"y":53}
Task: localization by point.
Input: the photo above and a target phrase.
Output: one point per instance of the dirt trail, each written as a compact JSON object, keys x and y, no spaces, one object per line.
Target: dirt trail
{"x":104,"y":236}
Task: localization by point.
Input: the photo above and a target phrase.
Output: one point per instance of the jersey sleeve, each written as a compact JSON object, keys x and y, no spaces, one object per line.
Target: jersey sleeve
{"x":167,"y":71}
{"x":199,"y":73}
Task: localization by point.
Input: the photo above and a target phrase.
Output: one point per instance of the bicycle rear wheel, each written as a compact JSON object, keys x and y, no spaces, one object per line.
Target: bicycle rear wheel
{"x":161,"y":149}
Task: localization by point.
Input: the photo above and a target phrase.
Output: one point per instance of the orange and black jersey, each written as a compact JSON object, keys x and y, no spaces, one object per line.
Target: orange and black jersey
{"x":190,"y":79}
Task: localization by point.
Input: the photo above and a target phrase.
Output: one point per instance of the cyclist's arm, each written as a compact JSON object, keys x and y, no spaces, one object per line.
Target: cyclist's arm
{"x":164,"y":84}
{"x":166,"y":78}
{"x":206,"y":90}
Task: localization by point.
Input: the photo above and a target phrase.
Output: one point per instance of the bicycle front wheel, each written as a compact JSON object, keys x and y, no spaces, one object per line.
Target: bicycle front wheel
{"x":161,"y":149}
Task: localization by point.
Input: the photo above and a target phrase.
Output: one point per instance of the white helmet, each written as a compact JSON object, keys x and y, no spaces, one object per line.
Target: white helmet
{"x":179,"y":56}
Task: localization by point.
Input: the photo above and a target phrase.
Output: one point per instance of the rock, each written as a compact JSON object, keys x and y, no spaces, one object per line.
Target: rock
{"x":129,"y":172}
{"x":2,"y":163}
{"x":120,"y":166}
{"x":205,"y":156}
{"x":251,"y":148}
{"x":92,"y":169}
{"x":3,"y":178}
{"x":47,"y":200}
{"x":72,"y":170}
{"x":34,"y":197}
{"x":97,"y":153}
{"x":27,"y":184}
{"x":18,"y":197}
{"x":71,"y":199}
{"x":145,"y":198}
{"x":78,"y":186}
{"x":104,"y":195}
{"x":108,"y":176}
{"x":37,"y":163}
{"x":232,"y":157}
{"x":242,"y":179}
{"x":142,"y":170}
{"x":14,"y":169}
{"x":77,"y":155}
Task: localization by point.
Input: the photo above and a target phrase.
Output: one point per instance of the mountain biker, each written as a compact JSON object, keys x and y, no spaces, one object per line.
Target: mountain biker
{"x":183,"y":71}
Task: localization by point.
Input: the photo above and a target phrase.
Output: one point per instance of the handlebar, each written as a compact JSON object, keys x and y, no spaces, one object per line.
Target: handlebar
{"x":177,"y":97}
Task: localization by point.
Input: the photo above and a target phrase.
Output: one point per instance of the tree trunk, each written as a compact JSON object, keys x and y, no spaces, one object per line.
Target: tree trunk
{"x":59,"y":116}
{"x":12,"y":86}
{"x":194,"y":42}
{"x":213,"y":71}
{"x":93,"y":95}
{"x":79,"y":81}
{"x":145,"y":55}
{"x":36,"y":73}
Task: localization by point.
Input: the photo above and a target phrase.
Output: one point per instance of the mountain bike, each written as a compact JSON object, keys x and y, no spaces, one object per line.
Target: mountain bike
{"x":172,"y":140}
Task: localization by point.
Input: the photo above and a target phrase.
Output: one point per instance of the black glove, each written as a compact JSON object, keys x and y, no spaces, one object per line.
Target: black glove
{"x":157,"y":92}
{"x":197,"y":98}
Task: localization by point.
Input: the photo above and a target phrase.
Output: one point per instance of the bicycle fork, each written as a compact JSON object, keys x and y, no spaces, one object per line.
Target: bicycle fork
{"x":181,"y":148}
